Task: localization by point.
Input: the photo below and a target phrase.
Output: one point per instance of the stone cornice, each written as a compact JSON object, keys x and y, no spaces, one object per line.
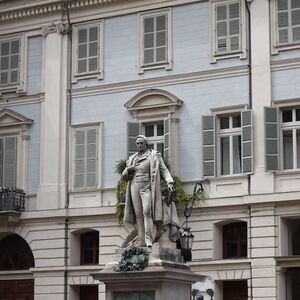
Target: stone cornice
{"x":22,"y":9}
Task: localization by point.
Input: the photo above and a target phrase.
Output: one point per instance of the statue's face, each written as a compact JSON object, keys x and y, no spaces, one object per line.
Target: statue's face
{"x":141,"y":144}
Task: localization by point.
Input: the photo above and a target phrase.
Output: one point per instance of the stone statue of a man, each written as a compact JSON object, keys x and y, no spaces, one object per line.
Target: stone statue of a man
{"x":144,"y":205}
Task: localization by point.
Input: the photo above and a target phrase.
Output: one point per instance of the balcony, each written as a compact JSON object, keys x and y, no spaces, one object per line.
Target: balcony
{"x":12,"y":203}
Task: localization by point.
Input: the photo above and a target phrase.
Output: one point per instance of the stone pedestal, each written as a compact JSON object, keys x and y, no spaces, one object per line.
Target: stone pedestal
{"x":166,"y":277}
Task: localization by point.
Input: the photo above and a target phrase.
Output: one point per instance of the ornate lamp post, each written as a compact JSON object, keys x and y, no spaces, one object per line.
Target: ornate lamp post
{"x":186,"y":236}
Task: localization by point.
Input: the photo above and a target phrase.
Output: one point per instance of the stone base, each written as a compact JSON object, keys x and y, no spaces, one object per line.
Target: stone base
{"x":166,"y":277}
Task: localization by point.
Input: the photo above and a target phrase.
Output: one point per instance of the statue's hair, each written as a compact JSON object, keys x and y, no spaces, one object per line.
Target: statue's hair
{"x":140,"y":136}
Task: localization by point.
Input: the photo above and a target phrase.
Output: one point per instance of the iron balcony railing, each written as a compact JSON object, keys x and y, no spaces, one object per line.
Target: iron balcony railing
{"x":12,"y":200}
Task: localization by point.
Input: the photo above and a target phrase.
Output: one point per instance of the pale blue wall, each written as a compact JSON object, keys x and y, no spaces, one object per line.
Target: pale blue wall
{"x":198,"y":98}
{"x":34,"y":65}
{"x":286,"y":84}
{"x":190,"y":28}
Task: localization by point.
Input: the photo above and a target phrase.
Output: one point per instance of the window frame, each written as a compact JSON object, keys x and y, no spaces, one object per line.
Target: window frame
{"x":94,"y":248}
{"x":289,"y":126}
{"x":99,"y":144}
{"x":167,"y":64}
{"x":98,"y":74}
{"x":238,"y":242}
{"x":155,"y":139}
{"x":18,"y":87}
{"x":276,"y":47}
{"x":242,"y":51}
{"x":230,"y":132}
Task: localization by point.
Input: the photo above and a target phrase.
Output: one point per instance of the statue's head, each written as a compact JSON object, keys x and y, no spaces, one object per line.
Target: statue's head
{"x":141,"y":143}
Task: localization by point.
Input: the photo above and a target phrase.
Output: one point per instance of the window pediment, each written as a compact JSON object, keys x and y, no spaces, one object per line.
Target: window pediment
{"x":11,"y":118}
{"x":153,"y":99}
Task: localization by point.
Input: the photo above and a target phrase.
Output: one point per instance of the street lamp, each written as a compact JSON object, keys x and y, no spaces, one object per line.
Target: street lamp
{"x":186,"y":236}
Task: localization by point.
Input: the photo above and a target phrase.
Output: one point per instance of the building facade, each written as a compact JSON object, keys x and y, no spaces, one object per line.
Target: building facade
{"x":215,"y":87}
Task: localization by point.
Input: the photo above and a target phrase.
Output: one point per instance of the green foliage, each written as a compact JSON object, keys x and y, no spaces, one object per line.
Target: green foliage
{"x":133,"y":259}
{"x":120,"y":166}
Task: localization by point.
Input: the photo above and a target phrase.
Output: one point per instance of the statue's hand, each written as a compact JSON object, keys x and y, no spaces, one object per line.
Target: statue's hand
{"x":171,"y":187}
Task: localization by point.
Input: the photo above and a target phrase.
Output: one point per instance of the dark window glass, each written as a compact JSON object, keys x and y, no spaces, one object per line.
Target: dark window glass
{"x":235,"y":290}
{"x":293,"y":283}
{"x":15,"y":254}
{"x":89,"y":292}
{"x":224,"y":122}
{"x":298,"y":114}
{"x":149,"y":130}
{"x":160,"y":129}
{"x":235,"y":240}
{"x":236,"y":121}
{"x":287,"y":116}
{"x":90,"y":248}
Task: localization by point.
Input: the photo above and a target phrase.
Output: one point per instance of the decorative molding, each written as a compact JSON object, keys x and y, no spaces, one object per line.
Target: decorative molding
{"x":22,"y":9}
{"x":9,"y":117}
{"x":161,"y":81}
{"x":285,"y":64}
{"x":61,"y":28}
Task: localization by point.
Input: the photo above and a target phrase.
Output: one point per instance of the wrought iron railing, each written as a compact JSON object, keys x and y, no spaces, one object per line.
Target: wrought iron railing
{"x":12,"y":200}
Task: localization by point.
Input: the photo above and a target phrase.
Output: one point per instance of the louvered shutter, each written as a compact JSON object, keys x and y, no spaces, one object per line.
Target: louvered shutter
{"x":208,"y":146}
{"x":161,"y":38}
{"x":247,"y":141}
{"x":10,"y":162}
{"x":272,"y":139}
{"x":82,"y":52}
{"x":133,"y":130}
{"x":167,"y":128}
{"x":283,"y":21}
{"x":93,"y":48}
{"x":234,"y":26}
{"x":221,"y":28}
{"x":79,"y":158}
{"x":148,"y":40}
{"x":91,"y":158}
{"x":1,"y":161}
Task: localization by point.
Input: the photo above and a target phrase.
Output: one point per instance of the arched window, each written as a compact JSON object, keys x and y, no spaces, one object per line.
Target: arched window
{"x":235,"y":240}
{"x":15,"y":254}
{"x":89,"y":248}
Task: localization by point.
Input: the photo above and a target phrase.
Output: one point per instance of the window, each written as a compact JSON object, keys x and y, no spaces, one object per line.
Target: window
{"x":89,"y":248}
{"x":9,"y":61}
{"x":228,"y":28}
{"x":86,"y":166}
{"x":290,"y":128}
{"x":88,"y":51}
{"x":155,"y":134}
{"x":155,"y":40}
{"x":235,"y":290}
{"x":292,"y":278}
{"x":227,"y":144}
{"x":288,"y":21}
{"x":89,"y":292}
{"x":8,"y":161}
{"x":235,"y":240}
{"x":155,"y":113}
{"x":14,"y":143}
{"x":229,"y":135}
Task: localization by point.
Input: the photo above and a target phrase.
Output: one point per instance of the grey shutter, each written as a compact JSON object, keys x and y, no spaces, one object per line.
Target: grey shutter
{"x":221,"y":28}
{"x":167,"y":127}
{"x":133,"y":129}
{"x":247,"y":142}
{"x":91,"y":158}
{"x":208,"y":146}
{"x":161,"y":38}
{"x":10,"y":162}
{"x":79,"y":160}
{"x":148,"y":40}
{"x":234,"y":26}
{"x":271,"y":139}
{"x":1,"y":161}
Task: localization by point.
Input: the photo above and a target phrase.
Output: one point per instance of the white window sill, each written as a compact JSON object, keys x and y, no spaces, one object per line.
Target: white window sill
{"x":285,"y":47}
{"x":12,"y":88}
{"x":97,"y":75}
{"x":167,"y":66}
{"x":240,"y":54}
{"x":85,"y":191}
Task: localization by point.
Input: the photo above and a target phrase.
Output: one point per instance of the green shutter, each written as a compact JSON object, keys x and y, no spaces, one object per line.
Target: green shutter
{"x":271,"y":139}
{"x":247,"y":142}
{"x":133,"y":130}
{"x":208,"y":146}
